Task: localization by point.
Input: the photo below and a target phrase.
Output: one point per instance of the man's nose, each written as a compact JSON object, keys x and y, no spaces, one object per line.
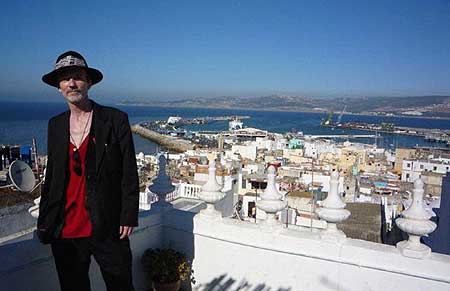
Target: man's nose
{"x":72,"y":82}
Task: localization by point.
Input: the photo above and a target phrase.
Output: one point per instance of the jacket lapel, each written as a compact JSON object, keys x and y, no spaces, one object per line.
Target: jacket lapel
{"x":61,"y":142}
{"x":102,"y":129}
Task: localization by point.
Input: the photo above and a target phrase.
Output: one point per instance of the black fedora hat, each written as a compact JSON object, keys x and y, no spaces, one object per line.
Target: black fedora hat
{"x":69,"y":60}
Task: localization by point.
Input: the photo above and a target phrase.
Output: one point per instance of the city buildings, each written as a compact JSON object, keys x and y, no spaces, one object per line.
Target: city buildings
{"x":302,"y":215}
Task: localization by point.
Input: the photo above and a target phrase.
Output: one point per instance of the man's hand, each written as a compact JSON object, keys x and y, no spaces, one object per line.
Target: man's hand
{"x":125,"y":231}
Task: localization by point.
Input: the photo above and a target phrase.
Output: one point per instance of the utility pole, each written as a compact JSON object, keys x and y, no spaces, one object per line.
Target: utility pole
{"x":36,"y":162}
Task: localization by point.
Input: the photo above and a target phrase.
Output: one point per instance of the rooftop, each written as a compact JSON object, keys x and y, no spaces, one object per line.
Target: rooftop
{"x":230,"y":254}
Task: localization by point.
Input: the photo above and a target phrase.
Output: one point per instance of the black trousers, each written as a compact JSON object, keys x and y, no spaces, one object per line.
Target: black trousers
{"x":73,"y":257}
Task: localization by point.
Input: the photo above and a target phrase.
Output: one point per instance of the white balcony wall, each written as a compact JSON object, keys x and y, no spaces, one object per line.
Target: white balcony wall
{"x":28,"y":265}
{"x":235,"y":255}
{"x":232,"y":254}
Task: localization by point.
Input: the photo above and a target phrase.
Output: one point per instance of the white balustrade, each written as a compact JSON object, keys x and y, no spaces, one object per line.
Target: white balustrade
{"x":333,"y":211}
{"x":416,"y":222}
{"x":271,"y":202}
{"x":162,"y":185}
{"x":211,"y":193}
{"x":190,"y":191}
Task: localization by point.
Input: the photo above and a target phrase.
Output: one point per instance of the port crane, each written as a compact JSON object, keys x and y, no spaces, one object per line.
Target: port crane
{"x":338,"y":122}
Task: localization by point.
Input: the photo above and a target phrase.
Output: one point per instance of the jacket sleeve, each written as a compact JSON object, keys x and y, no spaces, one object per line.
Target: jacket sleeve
{"x":48,"y":180}
{"x":130,"y":180}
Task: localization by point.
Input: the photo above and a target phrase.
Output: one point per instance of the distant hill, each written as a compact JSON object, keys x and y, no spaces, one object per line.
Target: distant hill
{"x":414,"y":105}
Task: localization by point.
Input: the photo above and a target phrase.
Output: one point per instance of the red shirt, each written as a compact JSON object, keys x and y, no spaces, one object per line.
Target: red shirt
{"x":77,"y":222}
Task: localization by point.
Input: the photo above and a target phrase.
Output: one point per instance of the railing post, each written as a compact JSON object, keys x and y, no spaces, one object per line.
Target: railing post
{"x":211,"y":192}
{"x":162,"y":185}
{"x":271,"y":201}
{"x":333,"y":210}
{"x":416,"y":222}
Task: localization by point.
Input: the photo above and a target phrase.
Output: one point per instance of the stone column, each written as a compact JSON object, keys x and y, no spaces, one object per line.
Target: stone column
{"x":211,"y":192}
{"x":271,"y":201}
{"x":333,"y":210}
{"x":415,"y":221}
{"x":162,"y":184}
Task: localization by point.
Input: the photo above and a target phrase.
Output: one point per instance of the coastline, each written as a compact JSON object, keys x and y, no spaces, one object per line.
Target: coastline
{"x":281,"y":110}
{"x":169,"y":142}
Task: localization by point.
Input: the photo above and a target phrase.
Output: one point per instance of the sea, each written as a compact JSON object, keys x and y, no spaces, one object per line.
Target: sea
{"x":21,"y":122}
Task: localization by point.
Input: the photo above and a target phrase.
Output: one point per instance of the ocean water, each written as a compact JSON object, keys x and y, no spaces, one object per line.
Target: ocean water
{"x":20,"y":122}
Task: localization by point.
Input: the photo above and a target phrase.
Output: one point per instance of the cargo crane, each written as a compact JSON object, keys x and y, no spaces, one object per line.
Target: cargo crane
{"x":338,"y":122}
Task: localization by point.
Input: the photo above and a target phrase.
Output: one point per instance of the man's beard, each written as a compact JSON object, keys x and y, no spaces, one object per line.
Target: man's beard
{"x":74,"y":98}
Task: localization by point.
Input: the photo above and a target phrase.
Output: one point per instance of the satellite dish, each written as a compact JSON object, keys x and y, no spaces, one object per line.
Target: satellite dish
{"x":21,"y":175}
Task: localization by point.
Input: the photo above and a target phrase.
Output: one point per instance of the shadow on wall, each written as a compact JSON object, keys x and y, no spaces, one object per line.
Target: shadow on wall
{"x":225,"y":283}
{"x":332,"y":285}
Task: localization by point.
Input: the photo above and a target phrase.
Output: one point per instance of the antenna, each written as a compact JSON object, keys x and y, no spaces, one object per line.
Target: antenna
{"x":21,"y":177}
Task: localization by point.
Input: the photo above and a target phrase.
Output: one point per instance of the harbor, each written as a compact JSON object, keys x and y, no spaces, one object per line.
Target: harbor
{"x":167,"y":141}
{"x":433,"y":135}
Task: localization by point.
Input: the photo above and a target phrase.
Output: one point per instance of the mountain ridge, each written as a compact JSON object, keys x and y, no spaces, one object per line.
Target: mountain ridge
{"x":431,"y":105}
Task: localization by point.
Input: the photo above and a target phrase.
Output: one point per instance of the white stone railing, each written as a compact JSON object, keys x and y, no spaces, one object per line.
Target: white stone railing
{"x":189,"y":190}
{"x":237,"y":253}
{"x":241,"y":255}
{"x":184,"y":190}
{"x":172,"y":196}
{"x":233,"y":253}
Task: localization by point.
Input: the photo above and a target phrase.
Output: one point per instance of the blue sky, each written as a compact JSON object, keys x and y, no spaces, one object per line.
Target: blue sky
{"x":160,"y":50}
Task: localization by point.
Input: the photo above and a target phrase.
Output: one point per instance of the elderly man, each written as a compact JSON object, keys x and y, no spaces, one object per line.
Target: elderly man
{"x":89,"y":202}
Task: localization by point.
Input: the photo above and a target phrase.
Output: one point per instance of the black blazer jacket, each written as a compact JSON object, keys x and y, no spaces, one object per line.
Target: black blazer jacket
{"x":112,"y":184}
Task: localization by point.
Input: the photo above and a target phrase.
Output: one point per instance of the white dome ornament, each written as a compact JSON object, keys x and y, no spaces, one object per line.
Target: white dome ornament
{"x":211,"y":193}
{"x":415,"y":221}
{"x":162,"y":185}
{"x":333,"y":211}
{"x":271,"y":202}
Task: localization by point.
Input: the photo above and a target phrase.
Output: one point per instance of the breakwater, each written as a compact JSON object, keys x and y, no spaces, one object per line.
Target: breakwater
{"x":168,"y":142}
{"x":435,"y":135}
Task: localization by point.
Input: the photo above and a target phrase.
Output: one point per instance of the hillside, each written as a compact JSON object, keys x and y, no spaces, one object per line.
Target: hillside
{"x":418,"y":105}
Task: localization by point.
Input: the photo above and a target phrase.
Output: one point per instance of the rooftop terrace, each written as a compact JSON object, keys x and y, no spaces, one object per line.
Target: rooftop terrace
{"x":229,"y":254}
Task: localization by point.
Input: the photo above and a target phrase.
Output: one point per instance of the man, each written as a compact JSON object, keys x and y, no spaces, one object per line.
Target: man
{"x":90,"y":199}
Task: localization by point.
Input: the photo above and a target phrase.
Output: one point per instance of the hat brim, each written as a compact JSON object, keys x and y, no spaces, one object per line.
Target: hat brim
{"x":52,"y":78}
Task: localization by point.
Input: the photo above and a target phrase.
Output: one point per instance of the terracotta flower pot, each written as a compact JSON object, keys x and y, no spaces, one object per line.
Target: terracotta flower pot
{"x":174,"y":286}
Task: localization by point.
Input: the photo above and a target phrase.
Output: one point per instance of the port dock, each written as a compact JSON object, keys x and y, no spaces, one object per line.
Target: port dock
{"x":169,"y":142}
{"x":430,"y":134}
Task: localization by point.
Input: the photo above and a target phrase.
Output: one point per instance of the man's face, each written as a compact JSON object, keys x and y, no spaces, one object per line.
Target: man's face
{"x":74,"y":85}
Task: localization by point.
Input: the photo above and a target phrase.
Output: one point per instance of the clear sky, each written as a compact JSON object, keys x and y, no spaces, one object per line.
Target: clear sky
{"x":159,"y":50}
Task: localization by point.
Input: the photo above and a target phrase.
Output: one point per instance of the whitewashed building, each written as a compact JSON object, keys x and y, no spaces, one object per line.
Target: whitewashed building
{"x":412,"y":169}
{"x":245,"y":151}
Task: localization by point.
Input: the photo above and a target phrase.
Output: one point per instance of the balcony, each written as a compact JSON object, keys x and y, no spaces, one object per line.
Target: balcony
{"x":229,"y":254}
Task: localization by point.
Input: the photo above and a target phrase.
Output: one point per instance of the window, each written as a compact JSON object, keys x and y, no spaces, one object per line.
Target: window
{"x":407,"y":176}
{"x":421,"y":167}
{"x":434,"y":168}
{"x":408,"y":165}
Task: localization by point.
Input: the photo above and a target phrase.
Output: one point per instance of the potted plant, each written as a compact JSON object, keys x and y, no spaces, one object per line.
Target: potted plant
{"x":166,"y":268}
